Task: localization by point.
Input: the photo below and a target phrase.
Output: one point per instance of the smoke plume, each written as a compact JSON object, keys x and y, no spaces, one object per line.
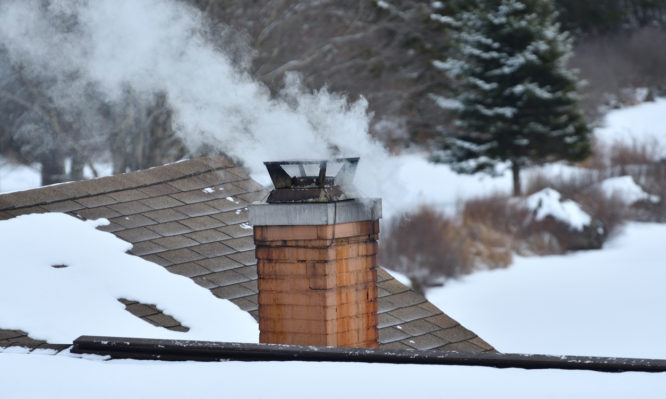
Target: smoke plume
{"x":164,"y":46}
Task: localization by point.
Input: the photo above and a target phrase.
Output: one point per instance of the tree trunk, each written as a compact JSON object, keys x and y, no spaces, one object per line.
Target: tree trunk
{"x":515,"y":169}
{"x":53,"y":168}
{"x":76,"y":171}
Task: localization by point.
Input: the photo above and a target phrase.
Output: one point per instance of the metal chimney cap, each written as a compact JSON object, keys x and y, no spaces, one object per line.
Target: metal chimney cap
{"x":310,"y":180}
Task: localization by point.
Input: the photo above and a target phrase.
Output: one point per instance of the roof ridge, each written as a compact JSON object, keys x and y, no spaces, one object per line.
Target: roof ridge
{"x":80,"y":189}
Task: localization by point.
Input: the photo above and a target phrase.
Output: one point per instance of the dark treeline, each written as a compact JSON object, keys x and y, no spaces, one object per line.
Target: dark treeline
{"x":605,"y":17}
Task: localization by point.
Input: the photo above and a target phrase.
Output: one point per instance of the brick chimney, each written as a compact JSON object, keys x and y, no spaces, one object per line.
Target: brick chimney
{"x":316,"y":257}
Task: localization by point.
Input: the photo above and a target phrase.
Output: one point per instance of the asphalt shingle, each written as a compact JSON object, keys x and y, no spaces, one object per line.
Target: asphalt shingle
{"x":206,"y":236}
{"x":191,"y":217}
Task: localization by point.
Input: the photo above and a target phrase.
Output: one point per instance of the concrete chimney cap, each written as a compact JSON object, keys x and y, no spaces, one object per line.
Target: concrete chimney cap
{"x":303,"y":214}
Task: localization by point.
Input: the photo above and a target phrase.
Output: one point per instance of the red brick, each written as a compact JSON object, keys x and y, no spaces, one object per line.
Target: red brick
{"x":317,"y":284}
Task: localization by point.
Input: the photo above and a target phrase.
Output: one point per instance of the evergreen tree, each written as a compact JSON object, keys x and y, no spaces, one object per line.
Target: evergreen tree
{"x":517,"y":101}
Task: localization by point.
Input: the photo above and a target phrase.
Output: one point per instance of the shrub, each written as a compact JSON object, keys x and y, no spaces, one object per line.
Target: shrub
{"x":490,"y":223}
{"x":426,"y":246}
{"x":431,"y":248}
{"x":611,"y":211}
{"x":655,"y":182}
{"x":570,"y":186}
{"x":521,"y":233}
{"x":639,"y":159}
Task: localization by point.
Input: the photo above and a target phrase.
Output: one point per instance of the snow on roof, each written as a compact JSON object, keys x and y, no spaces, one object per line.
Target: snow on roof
{"x":178,"y":216}
{"x":65,"y":278}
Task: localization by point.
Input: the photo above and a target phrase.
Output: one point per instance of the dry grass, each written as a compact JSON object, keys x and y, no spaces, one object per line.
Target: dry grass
{"x":621,"y":155}
{"x":655,"y":181}
{"x":642,"y":161}
{"x":491,"y":223}
{"x":425,"y":246}
{"x":610,"y":211}
{"x":431,"y":248}
{"x":569,"y":186}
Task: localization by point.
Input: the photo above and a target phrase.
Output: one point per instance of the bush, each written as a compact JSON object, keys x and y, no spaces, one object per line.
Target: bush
{"x":491,"y":223}
{"x":426,"y":246}
{"x":431,"y":248}
{"x":611,"y":211}
{"x":570,"y":186}
{"x":655,"y":181}
{"x":638,"y":159}
{"x":523,"y":234}
{"x":518,"y":231}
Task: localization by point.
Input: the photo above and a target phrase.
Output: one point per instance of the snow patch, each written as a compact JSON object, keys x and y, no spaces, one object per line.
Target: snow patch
{"x":383,"y":4}
{"x":548,"y":202}
{"x":625,"y":188}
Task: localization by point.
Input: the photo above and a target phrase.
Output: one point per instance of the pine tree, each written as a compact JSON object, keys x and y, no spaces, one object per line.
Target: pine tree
{"x":517,"y":101}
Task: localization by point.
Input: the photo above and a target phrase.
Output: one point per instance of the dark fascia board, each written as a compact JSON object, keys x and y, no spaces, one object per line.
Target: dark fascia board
{"x":180,"y":350}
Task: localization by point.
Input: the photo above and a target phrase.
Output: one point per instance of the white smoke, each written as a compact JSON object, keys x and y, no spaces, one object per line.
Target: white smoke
{"x":161,"y":46}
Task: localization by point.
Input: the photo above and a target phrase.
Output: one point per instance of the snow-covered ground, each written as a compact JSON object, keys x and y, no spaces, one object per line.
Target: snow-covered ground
{"x":640,"y":124}
{"x":607,"y":303}
{"x":15,"y":177}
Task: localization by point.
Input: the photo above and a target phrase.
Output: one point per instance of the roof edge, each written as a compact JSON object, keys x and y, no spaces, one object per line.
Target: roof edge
{"x":179,"y":350}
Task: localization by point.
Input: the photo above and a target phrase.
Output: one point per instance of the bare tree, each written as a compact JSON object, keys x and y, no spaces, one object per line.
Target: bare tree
{"x":36,"y":127}
{"x":380,"y":50}
{"x":614,"y":64}
{"x":40,"y":125}
{"x":141,"y":132}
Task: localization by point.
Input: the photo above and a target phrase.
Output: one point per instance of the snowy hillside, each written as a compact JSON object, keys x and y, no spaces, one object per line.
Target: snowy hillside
{"x":604,"y":302}
{"x":640,"y":124}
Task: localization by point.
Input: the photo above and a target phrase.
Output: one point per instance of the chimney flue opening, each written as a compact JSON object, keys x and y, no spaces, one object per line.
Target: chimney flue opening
{"x":311,"y":180}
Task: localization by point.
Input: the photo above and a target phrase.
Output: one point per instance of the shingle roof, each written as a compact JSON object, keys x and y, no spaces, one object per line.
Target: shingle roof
{"x":191,"y":218}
